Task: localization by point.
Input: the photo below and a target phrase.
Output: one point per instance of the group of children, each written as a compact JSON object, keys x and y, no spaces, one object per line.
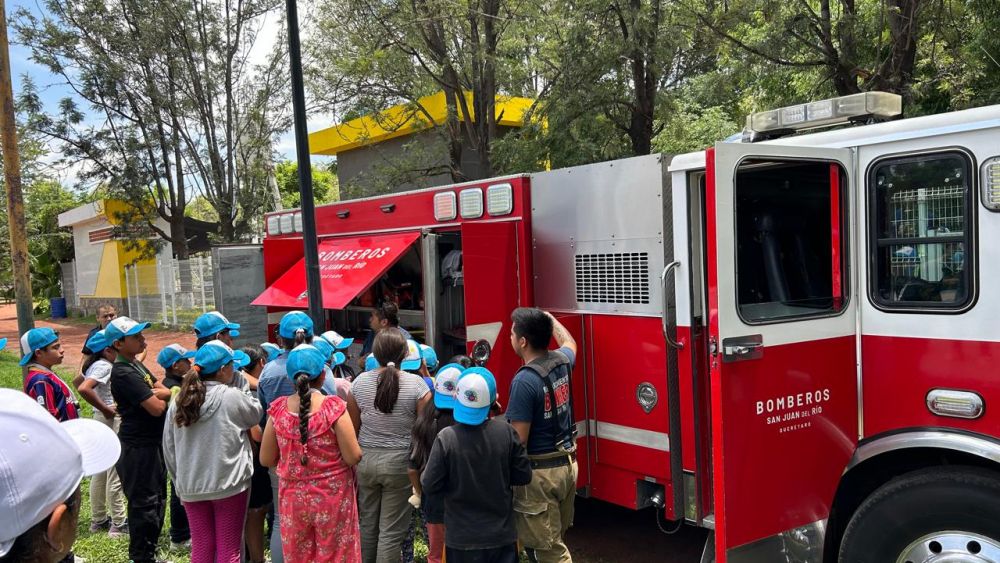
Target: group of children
{"x":218,"y":417}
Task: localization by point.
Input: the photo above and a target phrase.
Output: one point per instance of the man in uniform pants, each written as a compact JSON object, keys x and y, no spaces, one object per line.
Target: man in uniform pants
{"x":541,"y":412}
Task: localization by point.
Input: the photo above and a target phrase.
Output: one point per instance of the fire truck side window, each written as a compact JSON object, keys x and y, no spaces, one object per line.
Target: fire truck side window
{"x":921,"y":239}
{"x":791,"y":244}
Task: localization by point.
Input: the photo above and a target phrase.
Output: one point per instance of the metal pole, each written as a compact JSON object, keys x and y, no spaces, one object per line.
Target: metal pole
{"x":12,"y":174}
{"x":305,"y":170}
{"x":162,"y":286}
{"x":173,"y":290}
{"x":201,"y":283}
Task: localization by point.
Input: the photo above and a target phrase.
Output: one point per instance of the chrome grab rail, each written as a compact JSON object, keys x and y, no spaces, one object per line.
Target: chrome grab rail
{"x":663,"y":288}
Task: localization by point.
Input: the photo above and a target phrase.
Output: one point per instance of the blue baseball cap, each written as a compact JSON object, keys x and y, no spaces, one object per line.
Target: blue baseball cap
{"x":294,"y":322}
{"x":240,"y":359}
{"x":172,"y":354}
{"x":445,"y":384}
{"x":305,"y":358}
{"x":338,"y":341}
{"x":213,"y":322}
{"x":371,"y":363}
{"x":272,"y":351}
{"x":324,"y":348}
{"x":429,"y":355}
{"x":413,"y":357}
{"x":97,"y":343}
{"x":34,"y":340}
{"x":212,"y":356}
{"x":121,"y":327}
{"x":474,"y":395}
{"x":338,"y":359}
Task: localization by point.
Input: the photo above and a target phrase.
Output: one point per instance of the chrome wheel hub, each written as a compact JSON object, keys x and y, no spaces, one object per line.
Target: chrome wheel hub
{"x":951,"y":547}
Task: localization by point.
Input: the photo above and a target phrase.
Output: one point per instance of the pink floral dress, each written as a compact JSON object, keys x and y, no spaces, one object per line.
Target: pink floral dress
{"x":317,"y":501}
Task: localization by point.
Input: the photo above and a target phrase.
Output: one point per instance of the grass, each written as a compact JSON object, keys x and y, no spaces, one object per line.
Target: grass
{"x":98,"y":547}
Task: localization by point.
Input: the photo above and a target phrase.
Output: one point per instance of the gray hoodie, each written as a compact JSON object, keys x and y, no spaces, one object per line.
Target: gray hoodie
{"x":212,"y":459}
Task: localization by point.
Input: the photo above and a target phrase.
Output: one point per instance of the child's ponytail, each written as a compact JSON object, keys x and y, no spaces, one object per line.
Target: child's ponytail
{"x":190,"y":399}
{"x":389,"y":349}
{"x":305,"y":404}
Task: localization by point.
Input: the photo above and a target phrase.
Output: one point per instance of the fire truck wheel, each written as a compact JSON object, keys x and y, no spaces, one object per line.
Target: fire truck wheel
{"x":936,"y":514}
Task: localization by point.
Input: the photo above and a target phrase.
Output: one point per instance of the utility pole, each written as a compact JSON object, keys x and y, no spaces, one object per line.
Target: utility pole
{"x":315,"y":291}
{"x":12,"y":177}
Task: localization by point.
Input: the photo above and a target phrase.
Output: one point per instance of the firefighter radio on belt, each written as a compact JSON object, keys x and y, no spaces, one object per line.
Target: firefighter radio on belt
{"x":792,"y":338}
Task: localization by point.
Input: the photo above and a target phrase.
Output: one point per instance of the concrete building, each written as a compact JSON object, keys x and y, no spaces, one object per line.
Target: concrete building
{"x":101,"y":253}
{"x":389,"y":151}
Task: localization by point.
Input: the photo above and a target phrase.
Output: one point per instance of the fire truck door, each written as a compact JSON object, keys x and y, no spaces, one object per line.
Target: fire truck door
{"x":782,"y":326}
{"x":492,"y":291}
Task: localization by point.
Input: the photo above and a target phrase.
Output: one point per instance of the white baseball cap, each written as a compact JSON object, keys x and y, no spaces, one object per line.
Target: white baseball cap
{"x":474,"y":395}
{"x":43,"y":461}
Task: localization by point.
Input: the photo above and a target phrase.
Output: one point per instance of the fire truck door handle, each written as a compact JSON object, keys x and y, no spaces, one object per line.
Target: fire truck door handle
{"x":663,"y":287}
{"x":742,"y":348}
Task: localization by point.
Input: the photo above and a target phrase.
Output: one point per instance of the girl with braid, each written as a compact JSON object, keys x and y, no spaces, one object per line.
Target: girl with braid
{"x":314,"y":447}
{"x":208,"y":453}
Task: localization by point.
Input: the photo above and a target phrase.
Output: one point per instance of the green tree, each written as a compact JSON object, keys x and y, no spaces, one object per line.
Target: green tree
{"x":326,"y":188}
{"x":181,"y":109}
{"x":369,"y":55}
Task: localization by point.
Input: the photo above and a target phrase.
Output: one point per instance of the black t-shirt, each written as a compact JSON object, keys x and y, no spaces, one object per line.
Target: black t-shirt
{"x":131,"y":384}
{"x":473,"y":468}
{"x":530,"y":402}
{"x":87,"y":351}
{"x":170,"y":382}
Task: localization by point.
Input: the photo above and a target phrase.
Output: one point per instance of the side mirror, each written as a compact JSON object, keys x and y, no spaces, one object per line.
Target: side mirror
{"x":481,"y":352}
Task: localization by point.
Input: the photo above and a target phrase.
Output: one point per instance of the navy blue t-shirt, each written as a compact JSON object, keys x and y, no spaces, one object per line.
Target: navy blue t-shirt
{"x":529,"y":402}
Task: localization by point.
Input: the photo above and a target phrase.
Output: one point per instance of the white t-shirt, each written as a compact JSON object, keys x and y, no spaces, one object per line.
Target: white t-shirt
{"x":393,"y":430}
{"x":100,"y":371}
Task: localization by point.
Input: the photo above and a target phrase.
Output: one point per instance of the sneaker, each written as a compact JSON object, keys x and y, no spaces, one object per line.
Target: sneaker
{"x":180,"y":546}
{"x":118,"y":531}
{"x":98,"y":526}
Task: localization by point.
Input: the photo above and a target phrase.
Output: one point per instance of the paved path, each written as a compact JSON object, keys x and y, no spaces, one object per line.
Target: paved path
{"x":73,"y":333}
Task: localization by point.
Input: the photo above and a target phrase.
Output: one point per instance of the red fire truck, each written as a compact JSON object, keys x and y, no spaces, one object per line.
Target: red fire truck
{"x":788,"y":339}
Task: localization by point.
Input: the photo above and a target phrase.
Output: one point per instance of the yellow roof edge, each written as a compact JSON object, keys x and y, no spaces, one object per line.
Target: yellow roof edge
{"x":406,"y":119}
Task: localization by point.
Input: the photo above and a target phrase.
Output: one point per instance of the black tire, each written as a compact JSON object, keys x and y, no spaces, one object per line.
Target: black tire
{"x":965,"y":499}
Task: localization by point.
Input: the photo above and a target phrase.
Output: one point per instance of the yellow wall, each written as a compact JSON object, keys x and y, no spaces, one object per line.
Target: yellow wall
{"x":114,"y":258}
{"x":402,"y":120}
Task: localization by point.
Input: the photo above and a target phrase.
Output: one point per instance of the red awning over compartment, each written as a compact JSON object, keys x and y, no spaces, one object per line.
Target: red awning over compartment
{"x":347,"y":267}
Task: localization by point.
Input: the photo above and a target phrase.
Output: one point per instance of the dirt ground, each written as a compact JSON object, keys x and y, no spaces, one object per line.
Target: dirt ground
{"x":73,"y":333}
{"x":605,"y":533}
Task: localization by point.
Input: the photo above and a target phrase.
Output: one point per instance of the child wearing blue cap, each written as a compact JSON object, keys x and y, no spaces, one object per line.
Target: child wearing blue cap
{"x":390,"y":399}
{"x":141,"y":401}
{"x":176,"y":362}
{"x":260,"y":483}
{"x":105,"y":488}
{"x":473,"y":466}
{"x":435,"y":417}
{"x":42,"y":351}
{"x":208,"y":453}
{"x":313,"y":446}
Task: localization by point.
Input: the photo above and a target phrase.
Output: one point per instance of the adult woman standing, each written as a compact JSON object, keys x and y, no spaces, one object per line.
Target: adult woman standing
{"x":389,"y":399}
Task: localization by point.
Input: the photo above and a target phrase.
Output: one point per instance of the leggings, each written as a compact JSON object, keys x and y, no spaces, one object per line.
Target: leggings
{"x":217,"y":528}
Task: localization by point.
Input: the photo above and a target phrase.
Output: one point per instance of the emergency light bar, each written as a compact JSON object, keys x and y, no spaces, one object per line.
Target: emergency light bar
{"x":285,"y":223}
{"x":834,"y":111}
{"x":991,"y":184}
{"x":445,"y":206}
{"x":470,"y":203}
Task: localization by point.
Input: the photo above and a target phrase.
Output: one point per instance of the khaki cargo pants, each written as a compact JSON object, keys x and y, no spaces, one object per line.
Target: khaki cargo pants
{"x":543,"y":510}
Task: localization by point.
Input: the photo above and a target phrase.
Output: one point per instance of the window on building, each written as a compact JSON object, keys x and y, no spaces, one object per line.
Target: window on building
{"x":921,"y":216}
{"x":791,"y":240}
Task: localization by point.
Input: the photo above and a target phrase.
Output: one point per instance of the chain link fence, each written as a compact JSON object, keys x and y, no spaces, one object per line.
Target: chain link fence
{"x":170,"y":292}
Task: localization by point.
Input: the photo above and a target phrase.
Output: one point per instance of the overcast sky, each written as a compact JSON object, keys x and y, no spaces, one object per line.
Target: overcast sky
{"x":51,"y":91}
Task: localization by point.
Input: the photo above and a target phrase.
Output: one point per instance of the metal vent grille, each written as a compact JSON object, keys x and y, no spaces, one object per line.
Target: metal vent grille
{"x":613,"y":278}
